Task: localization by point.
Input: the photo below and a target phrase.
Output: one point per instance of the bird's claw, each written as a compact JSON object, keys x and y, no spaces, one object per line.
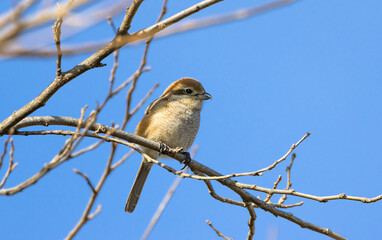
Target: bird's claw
{"x":163,"y":148}
{"x":187,"y":159}
{"x":178,"y":149}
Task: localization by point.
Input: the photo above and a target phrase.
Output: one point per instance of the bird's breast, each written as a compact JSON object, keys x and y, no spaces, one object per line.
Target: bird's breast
{"x":175,"y":125}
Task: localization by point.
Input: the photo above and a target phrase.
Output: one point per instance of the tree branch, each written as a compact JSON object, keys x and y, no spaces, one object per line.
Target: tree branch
{"x":233,"y":185}
{"x":251,"y":221}
{"x":99,"y":128}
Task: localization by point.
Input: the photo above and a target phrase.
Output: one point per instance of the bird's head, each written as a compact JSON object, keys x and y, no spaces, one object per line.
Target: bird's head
{"x":186,"y":89}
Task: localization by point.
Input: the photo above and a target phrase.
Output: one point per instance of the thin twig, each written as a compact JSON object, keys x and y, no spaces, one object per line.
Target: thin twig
{"x":115,"y":65}
{"x":130,"y":13}
{"x":87,"y":149}
{"x":269,"y":196}
{"x":122,"y":160}
{"x":289,"y":183}
{"x":138,"y":73}
{"x":213,"y":194}
{"x":86,"y":216}
{"x":95,"y":213}
{"x":136,"y":76}
{"x":86,"y":179}
{"x":63,"y":155}
{"x":57,"y":33}
{"x":217,"y":232}
{"x":5,"y":150}
{"x":11,"y":166}
{"x":144,"y":99}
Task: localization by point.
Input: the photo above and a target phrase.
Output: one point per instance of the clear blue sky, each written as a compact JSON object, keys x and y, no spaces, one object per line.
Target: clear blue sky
{"x":314,"y":66}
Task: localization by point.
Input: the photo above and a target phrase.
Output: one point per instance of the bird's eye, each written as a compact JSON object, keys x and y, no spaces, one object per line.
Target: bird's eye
{"x":189,"y":91}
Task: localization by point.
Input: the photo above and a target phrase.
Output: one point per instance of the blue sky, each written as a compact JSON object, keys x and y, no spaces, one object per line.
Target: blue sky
{"x":314,"y":66}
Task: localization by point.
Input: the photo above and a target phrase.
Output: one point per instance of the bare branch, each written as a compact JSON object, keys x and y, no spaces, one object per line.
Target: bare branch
{"x":110,"y":21}
{"x":138,"y":73}
{"x":143,"y":100}
{"x":269,"y":196}
{"x":136,"y":76}
{"x":285,"y":156}
{"x":289,"y":183}
{"x":255,"y":173}
{"x":4,"y":151}
{"x":288,"y":206}
{"x":130,"y":13}
{"x":122,"y":160}
{"x":115,"y":65}
{"x":87,"y":149}
{"x":63,"y":155}
{"x":11,"y":166}
{"x":235,"y":186}
{"x":217,"y":232}
{"x":251,"y":221}
{"x":86,"y":216}
{"x":213,"y":194}
{"x":99,"y":128}
{"x":86,"y":179}
{"x":56,"y":34}
{"x":95,"y":213}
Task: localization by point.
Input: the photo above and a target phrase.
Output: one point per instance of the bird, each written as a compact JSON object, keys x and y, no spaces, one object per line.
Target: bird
{"x":172,"y":120}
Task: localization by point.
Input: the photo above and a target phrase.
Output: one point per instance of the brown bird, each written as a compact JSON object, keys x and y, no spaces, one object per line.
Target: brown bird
{"x":173,"y":119}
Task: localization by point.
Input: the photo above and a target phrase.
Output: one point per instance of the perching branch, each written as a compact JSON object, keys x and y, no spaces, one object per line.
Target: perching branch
{"x":235,"y":186}
{"x":99,"y":128}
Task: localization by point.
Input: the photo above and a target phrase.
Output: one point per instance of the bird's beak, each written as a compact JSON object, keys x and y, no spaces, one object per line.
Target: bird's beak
{"x":205,"y":96}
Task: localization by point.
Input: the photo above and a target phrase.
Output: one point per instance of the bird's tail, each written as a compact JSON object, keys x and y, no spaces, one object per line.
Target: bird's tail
{"x":136,"y":189}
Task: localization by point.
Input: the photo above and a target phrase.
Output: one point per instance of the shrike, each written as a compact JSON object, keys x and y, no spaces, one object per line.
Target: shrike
{"x":172,"y":119}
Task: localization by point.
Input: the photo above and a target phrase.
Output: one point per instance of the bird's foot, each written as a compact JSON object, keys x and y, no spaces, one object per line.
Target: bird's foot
{"x":163,"y":148}
{"x":178,"y":150}
{"x":187,"y":159}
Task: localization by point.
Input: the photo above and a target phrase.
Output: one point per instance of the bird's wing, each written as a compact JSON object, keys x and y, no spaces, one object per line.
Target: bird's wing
{"x":160,"y":102}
